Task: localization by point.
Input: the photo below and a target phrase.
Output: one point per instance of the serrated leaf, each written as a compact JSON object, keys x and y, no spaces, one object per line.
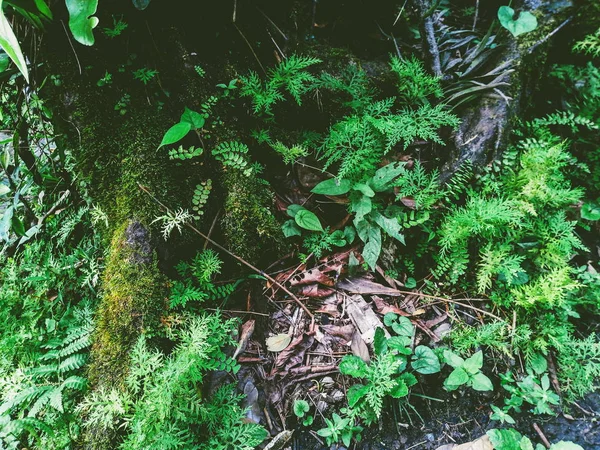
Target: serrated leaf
{"x":525,"y":23}
{"x":400,"y":389}
{"x":380,"y":342}
{"x":355,"y":393}
{"x":332,"y":186}
{"x":82,"y":20}
{"x":354,"y":366}
{"x":175,"y":133}
{"x":196,"y":120}
{"x":10,"y":44}
{"x":401,"y":344}
{"x":474,"y":363}
{"x":457,"y":378}
{"x":308,"y":220}
{"x":278,"y":342}
{"x":425,"y":360}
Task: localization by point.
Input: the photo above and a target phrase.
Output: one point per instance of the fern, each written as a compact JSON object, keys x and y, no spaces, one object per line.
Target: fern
{"x":233,"y":154}
{"x":200,"y":197}
{"x":183,"y":154}
{"x":590,"y":45}
{"x":421,"y":186}
{"x":289,"y":154}
{"x":290,"y":75}
{"x":352,"y":81}
{"x":414,"y":83}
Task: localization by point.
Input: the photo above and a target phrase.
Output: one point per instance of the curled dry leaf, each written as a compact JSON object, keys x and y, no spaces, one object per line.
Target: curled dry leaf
{"x":278,"y":342}
{"x":316,"y":291}
{"x":293,"y":355}
{"x":365,"y":286}
{"x":312,"y":276}
{"x":483,"y":443}
{"x":245,"y":335}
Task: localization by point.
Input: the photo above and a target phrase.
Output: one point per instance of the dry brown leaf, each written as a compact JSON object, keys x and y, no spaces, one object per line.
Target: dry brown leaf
{"x":383,"y":307}
{"x":359,"y":347}
{"x":316,"y":291}
{"x":312,"y":276}
{"x":365,"y":286}
{"x":245,"y":335}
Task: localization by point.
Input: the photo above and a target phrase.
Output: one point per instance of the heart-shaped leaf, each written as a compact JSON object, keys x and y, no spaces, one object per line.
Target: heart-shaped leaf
{"x":425,"y":361}
{"x":525,"y":23}
{"x":195,"y":119}
{"x":82,"y":20}
{"x":308,"y":220}
{"x":354,"y":366}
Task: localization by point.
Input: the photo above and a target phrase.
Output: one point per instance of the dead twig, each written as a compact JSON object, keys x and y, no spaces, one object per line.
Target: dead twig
{"x":540,"y":433}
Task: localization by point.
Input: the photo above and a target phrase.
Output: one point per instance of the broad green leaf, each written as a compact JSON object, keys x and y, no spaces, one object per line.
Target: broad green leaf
{"x":301,"y":407}
{"x":325,"y":432}
{"x":354,"y":366}
{"x":409,"y":379}
{"x":349,"y":234}
{"x":380,"y":345}
{"x":363,"y":228}
{"x":410,"y":283}
{"x":391,"y":226}
{"x":10,"y":44}
{"x":480,"y":382}
{"x":525,"y":443}
{"x":82,"y":20}
{"x":389,"y":319}
{"x":333,"y":186}
{"x":293,"y":209}
{"x":538,"y":363}
{"x":141,"y":4}
{"x":18,"y":226}
{"x":453,"y":359}
{"x":364,"y":188}
{"x":308,"y":421}
{"x":4,"y":189}
{"x":457,"y":378}
{"x":590,"y":211}
{"x":403,"y":327}
{"x":355,"y":393}
{"x":401,"y":344}
{"x":290,"y":229}
{"x":400,"y":389}
{"x":372,"y":248}
{"x":175,"y":133}
{"x":474,"y":363}
{"x":565,"y":445}
{"x":5,"y":223}
{"x":346,"y":438}
{"x":308,"y":220}
{"x":361,"y":206}
{"x":195,"y":119}
{"x":384,"y":176}
{"x":278,"y":342}
{"x":425,"y":360}
{"x":506,"y":439}
{"x":525,"y":23}
{"x":337,"y":238}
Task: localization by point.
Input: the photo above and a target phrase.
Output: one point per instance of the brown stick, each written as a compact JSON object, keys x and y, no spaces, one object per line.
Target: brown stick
{"x":234,"y":256}
{"x":540,"y":433}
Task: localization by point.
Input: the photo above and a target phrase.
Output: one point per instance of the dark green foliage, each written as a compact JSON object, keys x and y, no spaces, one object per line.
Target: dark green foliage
{"x":200,"y":197}
{"x":414,"y":83}
{"x":162,"y":406}
{"x":233,"y":154}
{"x":290,"y":76}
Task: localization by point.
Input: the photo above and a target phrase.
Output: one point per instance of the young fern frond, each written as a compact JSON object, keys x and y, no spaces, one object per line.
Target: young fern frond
{"x":414,"y":83}
{"x":590,"y":45}
{"x":200,"y":197}
{"x":233,"y":154}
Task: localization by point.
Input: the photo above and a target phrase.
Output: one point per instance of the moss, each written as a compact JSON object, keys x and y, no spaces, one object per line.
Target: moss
{"x":251,"y":230}
{"x":133,"y":300}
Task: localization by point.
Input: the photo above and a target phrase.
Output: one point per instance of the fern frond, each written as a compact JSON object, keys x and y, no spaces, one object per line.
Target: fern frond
{"x":71,"y":363}
{"x":200,"y":197}
{"x":414,"y":83}
{"x":233,"y":154}
{"x":590,"y":45}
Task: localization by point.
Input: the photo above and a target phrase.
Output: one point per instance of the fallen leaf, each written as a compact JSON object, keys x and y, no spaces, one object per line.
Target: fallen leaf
{"x":383,"y":307}
{"x":278,"y":342}
{"x":280,"y":440}
{"x":292,"y":355}
{"x":312,"y":276}
{"x":316,"y":291}
{"x":359,"y":347}
{"x":245,"y":335}
{"x":365,"y":286}
{"x":483,"y":443}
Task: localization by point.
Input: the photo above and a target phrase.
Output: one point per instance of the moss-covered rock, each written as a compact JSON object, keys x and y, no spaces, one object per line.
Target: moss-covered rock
{"x":133,"y":301}
{"x":250,"y":228}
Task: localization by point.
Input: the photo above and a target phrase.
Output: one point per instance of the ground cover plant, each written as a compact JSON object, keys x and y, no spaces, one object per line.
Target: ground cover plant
{"x":284,"y":225}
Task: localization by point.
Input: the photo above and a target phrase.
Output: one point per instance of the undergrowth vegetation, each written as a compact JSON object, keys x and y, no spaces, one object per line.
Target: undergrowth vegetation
{"x":115,"y":312}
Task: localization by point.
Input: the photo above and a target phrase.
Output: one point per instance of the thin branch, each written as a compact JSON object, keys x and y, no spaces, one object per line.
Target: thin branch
{"x":234,"y":256}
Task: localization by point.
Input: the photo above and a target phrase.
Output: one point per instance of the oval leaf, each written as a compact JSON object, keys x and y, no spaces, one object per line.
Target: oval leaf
{"x":308,"y":220}
{"x":175,"y":133}
{"x":195,"y":119}
{"x":332,"y":186}
{"x":480,"y":382}
{"x":82,"y":20}
{"x":278,"y":342}
{"x":141,"y":4}
{"x":457,"y":378}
